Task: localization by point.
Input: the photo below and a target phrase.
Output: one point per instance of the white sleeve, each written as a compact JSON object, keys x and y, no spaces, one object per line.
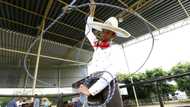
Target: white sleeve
{"x":88,"y":31}
{"x":98,"y":87}
{"x":101,"y":83}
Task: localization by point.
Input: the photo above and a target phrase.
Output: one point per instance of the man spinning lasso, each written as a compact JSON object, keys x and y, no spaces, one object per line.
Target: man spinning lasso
{"x":104,"y":59}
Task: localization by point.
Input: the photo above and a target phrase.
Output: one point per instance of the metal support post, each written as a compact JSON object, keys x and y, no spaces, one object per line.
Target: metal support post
{"x":42,"y":26}
{"x":131,"y":78}
{"x":159,"y":96}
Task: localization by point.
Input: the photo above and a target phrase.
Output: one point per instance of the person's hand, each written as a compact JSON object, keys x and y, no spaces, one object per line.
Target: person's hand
{"x":92,"y":8}
{"x":84,"y":90}
{"x":92,"y":1}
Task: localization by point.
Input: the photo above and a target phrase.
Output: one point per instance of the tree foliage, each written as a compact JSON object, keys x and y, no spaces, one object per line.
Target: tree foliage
{"x":183,"y":83}
{"x":148,"y":89}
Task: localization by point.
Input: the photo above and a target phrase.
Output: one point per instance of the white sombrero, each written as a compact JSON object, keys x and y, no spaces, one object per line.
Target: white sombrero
{"x":112,"y":25}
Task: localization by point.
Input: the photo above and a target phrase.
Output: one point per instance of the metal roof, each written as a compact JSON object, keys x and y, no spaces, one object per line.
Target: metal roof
{"x":25,"y":16}
{"x":14,"y":47}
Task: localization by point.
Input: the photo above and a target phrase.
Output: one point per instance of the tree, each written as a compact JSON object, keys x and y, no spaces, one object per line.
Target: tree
{"x":164,"y":86}
{"x":122,"y":77}
{"x":155,"y":73}
{"x":183,"y":83}
{"x":146,"y":90}
{"x":140,"y":90}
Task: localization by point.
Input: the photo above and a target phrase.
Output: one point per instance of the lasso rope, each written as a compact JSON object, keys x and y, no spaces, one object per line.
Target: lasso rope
{"x":111,"y":93}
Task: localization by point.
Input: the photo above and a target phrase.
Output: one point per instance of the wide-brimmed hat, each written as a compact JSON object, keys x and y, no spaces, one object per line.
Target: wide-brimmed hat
{"x":112,"y":25}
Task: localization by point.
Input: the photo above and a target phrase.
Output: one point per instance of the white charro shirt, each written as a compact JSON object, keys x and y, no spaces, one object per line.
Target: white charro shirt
{"x":102,"y":60}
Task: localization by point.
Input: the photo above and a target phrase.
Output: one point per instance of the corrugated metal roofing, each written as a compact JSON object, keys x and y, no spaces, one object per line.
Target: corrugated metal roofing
{"x":25,"y":16}
{"x":20,"y":42}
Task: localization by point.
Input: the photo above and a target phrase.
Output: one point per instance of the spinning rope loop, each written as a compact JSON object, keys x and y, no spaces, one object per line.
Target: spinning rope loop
{"x":95,"y":75}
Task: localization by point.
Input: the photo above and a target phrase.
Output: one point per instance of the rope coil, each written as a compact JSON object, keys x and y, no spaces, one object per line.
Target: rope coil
{"x":88,"y":83}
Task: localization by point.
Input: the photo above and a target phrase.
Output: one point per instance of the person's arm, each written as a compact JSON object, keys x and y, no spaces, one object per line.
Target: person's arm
{"x":94,"y":89}
{"x":88,"y":29}
{"x":98,"y":86}
{"x":101,"y":83}
{"x":88,"y":32}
